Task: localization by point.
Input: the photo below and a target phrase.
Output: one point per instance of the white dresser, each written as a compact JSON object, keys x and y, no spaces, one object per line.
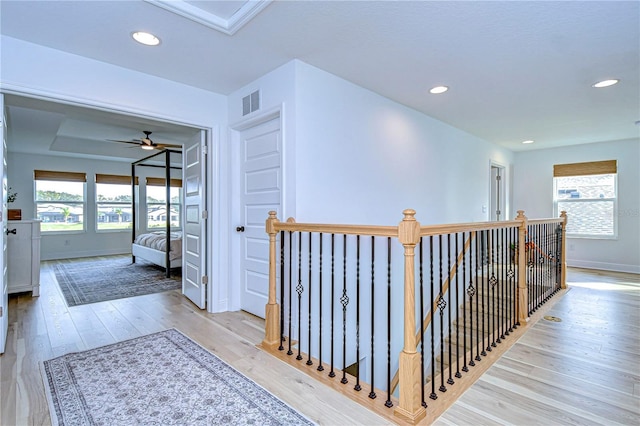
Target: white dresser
{"x":23,"y":256}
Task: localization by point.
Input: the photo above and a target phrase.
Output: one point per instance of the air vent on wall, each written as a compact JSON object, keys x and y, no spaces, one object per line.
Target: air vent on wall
{"x":251,"y":103}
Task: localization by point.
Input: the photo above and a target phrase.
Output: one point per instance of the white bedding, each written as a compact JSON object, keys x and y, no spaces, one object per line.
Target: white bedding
{"x":158,"y":241}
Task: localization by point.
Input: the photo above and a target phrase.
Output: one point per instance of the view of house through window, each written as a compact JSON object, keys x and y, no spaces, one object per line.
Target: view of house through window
{"x":588,"y":196}
{"x":113,"y":202}
{"x":60,"y":200}
{"x":156,"y":203}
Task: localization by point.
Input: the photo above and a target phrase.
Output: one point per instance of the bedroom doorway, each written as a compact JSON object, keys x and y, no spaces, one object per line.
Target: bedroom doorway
{"x":261,"y":187}
{"x":497,"y":191}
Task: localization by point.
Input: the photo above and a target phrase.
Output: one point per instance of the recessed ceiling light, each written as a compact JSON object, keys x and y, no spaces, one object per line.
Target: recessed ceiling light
{"x":605,"y":83}
{"x":438,"y":89}
{"x":145,"y":38}
{"x":527,"y":142}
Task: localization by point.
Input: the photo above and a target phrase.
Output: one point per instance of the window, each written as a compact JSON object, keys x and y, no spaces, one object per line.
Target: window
{"x":113,"y":202}
{"x":60,"y":200}
{"x":588,"y":193}
{"x":156,"y":203}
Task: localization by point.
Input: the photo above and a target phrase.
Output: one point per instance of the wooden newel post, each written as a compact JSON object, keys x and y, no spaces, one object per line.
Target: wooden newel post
{"x":563,"y":253}
{"x":410,"y":406}
{"x":272,"y":310}
{"x":522,"y":302}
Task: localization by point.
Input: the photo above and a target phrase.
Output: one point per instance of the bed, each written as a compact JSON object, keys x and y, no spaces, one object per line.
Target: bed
{"x":161,"y":247}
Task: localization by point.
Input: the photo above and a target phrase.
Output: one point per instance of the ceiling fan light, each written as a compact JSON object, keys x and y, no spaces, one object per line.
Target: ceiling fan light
{"x":146,"y":147}
{"x":147,"y":39}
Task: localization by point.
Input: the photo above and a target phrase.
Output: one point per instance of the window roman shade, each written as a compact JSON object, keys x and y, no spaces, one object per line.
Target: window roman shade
{"x":586,"y":169}
{"x":114,"y":179}
{"x":177,"y":183}
{"x":60,"y":176}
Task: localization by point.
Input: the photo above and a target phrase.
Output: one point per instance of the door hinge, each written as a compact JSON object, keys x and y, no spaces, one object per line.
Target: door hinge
{"x":1,"y":311}
{"x":205,"y":214}
{"x":205,"y":149}
{"x":205,"y":279}
{"x":498,"y":177}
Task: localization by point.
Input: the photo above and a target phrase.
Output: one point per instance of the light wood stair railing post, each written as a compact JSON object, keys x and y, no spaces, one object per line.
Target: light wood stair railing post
{"x":272,"y":309}
{"x":563,"y":252}
{"x":410,"y":404}
{"x":522,"y":301}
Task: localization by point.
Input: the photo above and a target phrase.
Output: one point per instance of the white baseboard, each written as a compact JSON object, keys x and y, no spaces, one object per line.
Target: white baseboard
{"x":84,"y":253}
{"x":603,"y":266}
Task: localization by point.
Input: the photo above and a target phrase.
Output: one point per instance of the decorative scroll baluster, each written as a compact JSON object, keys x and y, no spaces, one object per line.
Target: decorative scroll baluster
{"x":464,"y":304}
{"x":290,"y":352}
{"x":479,"y":295}
{"x":493,"y":281}
{"x":372,"y":393}
{"x":299,"y":290}
{"x":357,"y":387}
{"x":441,"y":306}
{"x":344,"y":300}
{"x":309,"y":362}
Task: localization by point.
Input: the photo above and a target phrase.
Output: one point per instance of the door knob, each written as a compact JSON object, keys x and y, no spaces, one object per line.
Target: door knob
{"x":11,"y":231}
{"x":240,"y":229}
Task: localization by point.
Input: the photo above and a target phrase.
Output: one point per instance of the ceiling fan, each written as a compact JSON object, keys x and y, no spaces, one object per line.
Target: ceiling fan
{"x":147,"y":143}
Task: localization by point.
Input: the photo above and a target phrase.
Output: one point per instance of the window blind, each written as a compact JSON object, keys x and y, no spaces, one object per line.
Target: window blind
{"x":114,"y":179}
{"x":586,"y":169}
{"x":60,"y":176}
{"x":161,"y":182}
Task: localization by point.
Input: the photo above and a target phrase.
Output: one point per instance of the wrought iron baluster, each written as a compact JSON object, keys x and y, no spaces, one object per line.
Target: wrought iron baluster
{"x":309,"y":362}
{"x":485,"y":292}
{"x":299,"y":290}
{"x":290,"y":352}
{"x":433,"y":394}
{"x":320,"y":261}
{"x":357,"y":387}
{"x":388,"y":403}
{"x":450,"y":379}
{"x":493,"y":281}
{"x":458,"y":375}
{"x":479,"y":295}
{"x":372,"y":393}
{"x":344,"y":300}
{"x":332,"y":373}
{"x":282,"y":279}
{"x":464,"y":305}
{"x":421,"y":276}
{"x":441,"y":306}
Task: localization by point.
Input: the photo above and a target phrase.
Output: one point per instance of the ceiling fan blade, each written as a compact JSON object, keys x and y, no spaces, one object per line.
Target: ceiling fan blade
{"x":167,"y":145}
{"x":130,"y":142}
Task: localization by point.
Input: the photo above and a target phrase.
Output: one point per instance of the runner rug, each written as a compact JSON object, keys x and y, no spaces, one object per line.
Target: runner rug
{"x":163,"y":378}
{"x":97,"y":279}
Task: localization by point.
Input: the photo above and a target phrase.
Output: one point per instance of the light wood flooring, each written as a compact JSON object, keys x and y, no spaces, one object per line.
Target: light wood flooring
{"x":582,"y":370}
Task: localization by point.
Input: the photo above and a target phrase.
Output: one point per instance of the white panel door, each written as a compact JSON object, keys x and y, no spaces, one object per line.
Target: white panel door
{"x":4,"y":303}
{"x":261,"y":185}
{"x":194,"y":258}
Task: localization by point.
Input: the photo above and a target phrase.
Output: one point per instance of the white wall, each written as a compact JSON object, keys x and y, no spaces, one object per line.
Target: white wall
{"x":20,"y":169}
{"x":533,"y":192}
{"x":362,"y":158}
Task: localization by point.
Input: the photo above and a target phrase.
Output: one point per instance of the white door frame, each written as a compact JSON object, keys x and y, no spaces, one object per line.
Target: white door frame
{"x":503,"y":201}
{"x":235,"y":131}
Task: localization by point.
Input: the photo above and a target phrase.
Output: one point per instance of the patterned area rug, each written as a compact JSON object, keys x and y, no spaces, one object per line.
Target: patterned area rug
{"x":161,"y":379}
{"x":96,"y":279}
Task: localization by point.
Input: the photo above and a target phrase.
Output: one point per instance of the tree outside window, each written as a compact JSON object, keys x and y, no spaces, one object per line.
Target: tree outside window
{"x":60,"y":200}
{"x":113,"y":203}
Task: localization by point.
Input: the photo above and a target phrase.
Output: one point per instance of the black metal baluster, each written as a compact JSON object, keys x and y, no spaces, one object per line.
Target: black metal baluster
{"x":388,"y":402}
{"x":309,"y":362}
{"x":299,"y":290}
{"x":357,"y":387}
{"x":372,"y":393}
{"x":422,"y":378}
{"x":503,"y":276}
{"x":344,"y":300}
{"x":433,"y":395}
{"x":493,"y":281}
{"x":458,"y":375}
{"x":441,"y":306}
{"x":464,"y":304}
{"x":332,"y":373}
{"x":290,"y":352}
{"x":450,"y":379}
{"x":282,"y":279}
{"x":479,"y":295}
{"x":320,"y":261}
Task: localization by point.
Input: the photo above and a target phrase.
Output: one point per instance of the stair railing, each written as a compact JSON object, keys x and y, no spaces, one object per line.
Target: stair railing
{"x":499,"y":283}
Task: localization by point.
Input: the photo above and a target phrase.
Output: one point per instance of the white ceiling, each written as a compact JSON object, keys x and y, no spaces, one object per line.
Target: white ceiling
{"x":516,"y":69}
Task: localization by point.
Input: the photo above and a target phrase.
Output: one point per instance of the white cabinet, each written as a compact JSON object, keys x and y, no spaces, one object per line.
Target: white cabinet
{"x":23,"y":256}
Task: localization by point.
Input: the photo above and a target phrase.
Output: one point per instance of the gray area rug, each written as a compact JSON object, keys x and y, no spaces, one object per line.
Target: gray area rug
{"x":97,"y":279}
{"x":164,"y":378}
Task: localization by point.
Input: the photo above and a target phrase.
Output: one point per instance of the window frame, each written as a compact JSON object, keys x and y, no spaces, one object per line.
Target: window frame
{"x":160,"y":183}
{"x":105,"y":179}
{"x":598,"y":168}
{"x":58,"y":176}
